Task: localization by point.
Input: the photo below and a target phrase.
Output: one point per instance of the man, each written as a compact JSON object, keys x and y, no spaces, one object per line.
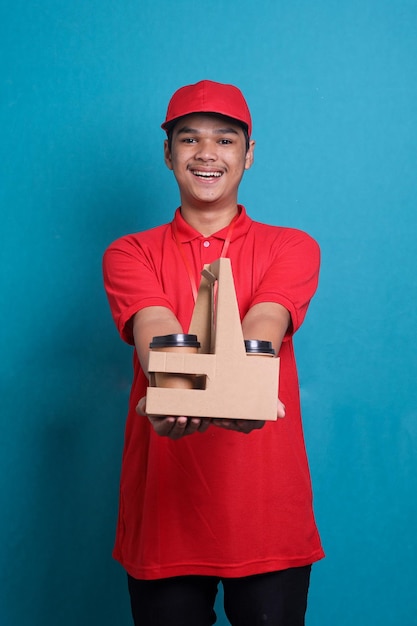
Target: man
{"x":207,"y":500}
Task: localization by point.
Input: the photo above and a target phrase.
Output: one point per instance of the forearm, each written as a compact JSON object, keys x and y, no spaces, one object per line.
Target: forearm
{"x":148,"y":323}
{"x":267,"y":321}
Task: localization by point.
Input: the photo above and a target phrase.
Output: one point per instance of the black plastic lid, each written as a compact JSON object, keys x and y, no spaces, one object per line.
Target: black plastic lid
{"x":257,"y":346}
{"x":177,"y":340}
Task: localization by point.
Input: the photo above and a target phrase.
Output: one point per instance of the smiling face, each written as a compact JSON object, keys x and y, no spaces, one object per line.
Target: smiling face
{"x":208,"y":156}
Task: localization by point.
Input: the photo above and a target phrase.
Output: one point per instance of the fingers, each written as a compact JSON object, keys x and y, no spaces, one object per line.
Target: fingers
{"x":178,"y":427}
{"x":241,"y":426}
{"x":246,"y":426}
{"x":140,"y":408}
{"x":172,"y":426}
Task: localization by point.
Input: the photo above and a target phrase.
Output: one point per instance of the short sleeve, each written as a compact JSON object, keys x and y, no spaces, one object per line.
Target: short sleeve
{"x":131,"y":282}
{"x":291,"y":277}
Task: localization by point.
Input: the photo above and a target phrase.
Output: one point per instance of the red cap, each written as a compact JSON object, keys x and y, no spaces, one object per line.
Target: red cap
{"x":209,"y":97}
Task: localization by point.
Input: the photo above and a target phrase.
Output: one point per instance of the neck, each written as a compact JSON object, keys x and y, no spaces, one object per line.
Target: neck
{"x":208,"y":221}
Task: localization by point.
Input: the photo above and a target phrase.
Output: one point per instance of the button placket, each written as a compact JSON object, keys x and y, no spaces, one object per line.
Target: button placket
{"x":207,"y":249}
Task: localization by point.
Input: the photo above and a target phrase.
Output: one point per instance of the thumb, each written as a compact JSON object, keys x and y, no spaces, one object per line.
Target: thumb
{"x":280,"y":409}
{"x":141,"y":407}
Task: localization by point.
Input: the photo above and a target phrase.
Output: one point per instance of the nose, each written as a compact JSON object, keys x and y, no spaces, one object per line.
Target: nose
{"x":206,"y":150}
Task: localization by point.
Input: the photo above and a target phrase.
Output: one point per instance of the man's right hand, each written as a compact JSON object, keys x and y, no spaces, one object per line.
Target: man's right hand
{"x":174,"y":427}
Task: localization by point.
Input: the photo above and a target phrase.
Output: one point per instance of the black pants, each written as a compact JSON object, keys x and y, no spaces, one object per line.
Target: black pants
{"x":274,"y":599}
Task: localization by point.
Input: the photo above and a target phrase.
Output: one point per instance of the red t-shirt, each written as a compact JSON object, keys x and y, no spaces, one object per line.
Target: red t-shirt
{"x":218,"y":503}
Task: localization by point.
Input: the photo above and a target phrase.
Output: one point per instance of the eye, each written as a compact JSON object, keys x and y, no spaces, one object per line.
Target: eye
{"x":189,"y":140}
{"x":225,"y":142}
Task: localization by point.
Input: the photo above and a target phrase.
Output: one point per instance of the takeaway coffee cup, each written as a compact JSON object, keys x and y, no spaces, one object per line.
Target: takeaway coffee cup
{"x":175,"y":343}
{"x":259,"y":347}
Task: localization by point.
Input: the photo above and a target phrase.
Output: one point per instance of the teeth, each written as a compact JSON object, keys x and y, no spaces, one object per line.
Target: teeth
{"x":207,"y":174}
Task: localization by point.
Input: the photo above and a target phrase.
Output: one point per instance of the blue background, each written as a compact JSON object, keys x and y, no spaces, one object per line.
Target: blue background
{"x":332,"y":86}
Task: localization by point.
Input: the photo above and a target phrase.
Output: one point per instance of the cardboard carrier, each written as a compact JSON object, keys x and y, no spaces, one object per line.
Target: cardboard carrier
{"x":229,"y":383}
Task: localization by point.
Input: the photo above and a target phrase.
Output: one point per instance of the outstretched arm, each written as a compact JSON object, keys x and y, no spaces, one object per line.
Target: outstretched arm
{"x":266,"y":321}
{"x":148,"y":323}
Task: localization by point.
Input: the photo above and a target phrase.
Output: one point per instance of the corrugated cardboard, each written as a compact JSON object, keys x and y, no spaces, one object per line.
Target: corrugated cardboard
{"x":235,"y":385}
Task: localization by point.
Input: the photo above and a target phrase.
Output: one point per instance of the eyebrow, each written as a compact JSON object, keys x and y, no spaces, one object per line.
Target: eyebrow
{"x":217,"y":131}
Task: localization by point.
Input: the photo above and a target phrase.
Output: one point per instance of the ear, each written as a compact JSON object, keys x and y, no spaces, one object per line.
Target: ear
{"x":249,"y":158}
{"x":167,"y":155}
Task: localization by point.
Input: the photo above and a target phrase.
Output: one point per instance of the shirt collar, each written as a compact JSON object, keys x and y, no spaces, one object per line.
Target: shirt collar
{"x":186,"y":232}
